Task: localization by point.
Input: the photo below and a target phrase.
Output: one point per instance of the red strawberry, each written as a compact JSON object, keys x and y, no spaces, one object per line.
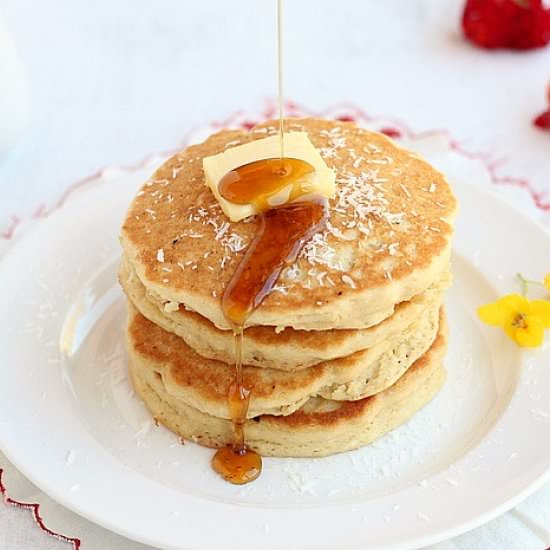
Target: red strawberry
{"x":513,"y":24}
{"x":543,"y":120}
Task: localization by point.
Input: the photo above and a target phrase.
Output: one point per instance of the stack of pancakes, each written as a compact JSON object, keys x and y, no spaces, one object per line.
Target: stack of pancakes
{"x":350,"y":342}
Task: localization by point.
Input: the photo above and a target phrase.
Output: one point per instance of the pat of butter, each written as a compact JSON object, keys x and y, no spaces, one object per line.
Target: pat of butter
{"x":297,"y":145}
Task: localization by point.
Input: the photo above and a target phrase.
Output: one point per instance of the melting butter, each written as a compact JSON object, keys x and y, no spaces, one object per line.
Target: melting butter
{"x":319,"y":181}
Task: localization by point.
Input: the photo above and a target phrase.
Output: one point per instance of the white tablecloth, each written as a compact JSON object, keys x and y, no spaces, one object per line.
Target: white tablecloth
{"x":114,"y":81}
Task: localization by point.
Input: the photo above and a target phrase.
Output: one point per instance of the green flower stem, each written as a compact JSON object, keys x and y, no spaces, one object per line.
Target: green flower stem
{"x":525,"y":283}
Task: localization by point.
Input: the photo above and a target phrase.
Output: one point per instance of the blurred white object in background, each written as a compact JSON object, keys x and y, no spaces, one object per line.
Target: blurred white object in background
{"x":14,"y":93}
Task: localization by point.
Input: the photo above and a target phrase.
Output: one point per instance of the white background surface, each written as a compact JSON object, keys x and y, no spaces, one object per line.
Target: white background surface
{"x":113,"y":81}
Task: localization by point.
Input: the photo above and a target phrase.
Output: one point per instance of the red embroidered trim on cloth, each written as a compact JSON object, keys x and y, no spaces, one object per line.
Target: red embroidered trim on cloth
{"x":35,"y":508}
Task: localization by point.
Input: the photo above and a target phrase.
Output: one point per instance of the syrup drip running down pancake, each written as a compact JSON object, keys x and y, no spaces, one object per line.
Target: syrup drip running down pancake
{"x":282,"y":232}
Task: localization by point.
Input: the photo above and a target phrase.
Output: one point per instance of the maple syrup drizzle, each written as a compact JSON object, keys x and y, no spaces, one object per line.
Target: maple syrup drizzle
{"x":280,"y":188}
{"x":282,"y":180}
{"x":280,"y":236}
{"x":280,"y":75}
{"x":236,"y":463}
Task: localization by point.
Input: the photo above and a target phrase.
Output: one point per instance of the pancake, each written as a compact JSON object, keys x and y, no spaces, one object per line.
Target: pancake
{"x":289,"y":349}
{"x":319,"y":428}
{"x":204,"y":383}
{"x":386,"y":240}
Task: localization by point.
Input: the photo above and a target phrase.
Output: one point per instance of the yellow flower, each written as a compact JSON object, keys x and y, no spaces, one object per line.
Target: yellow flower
{"x":547,"y":282}
{"x":522,"y":319}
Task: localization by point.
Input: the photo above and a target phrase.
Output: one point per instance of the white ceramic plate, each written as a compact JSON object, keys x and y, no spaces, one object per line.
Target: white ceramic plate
{"x":70,"y":421}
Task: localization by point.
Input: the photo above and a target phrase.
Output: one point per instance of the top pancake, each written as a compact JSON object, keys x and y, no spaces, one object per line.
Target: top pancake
{"x":387,"y":237}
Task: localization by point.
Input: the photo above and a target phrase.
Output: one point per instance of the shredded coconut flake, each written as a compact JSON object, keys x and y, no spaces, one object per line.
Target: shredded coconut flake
{"x":328,"y":152}
{"x":292,"y":272}
{"x":338,"y":142}
{"x":69,"y":460}
{"x":360,"y":194}
{"x":318,"y":251}
{"x":280,"y":288}
{"x":348,"y":281}
{"x":392,"y":248}
{"x":372,"y":148}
